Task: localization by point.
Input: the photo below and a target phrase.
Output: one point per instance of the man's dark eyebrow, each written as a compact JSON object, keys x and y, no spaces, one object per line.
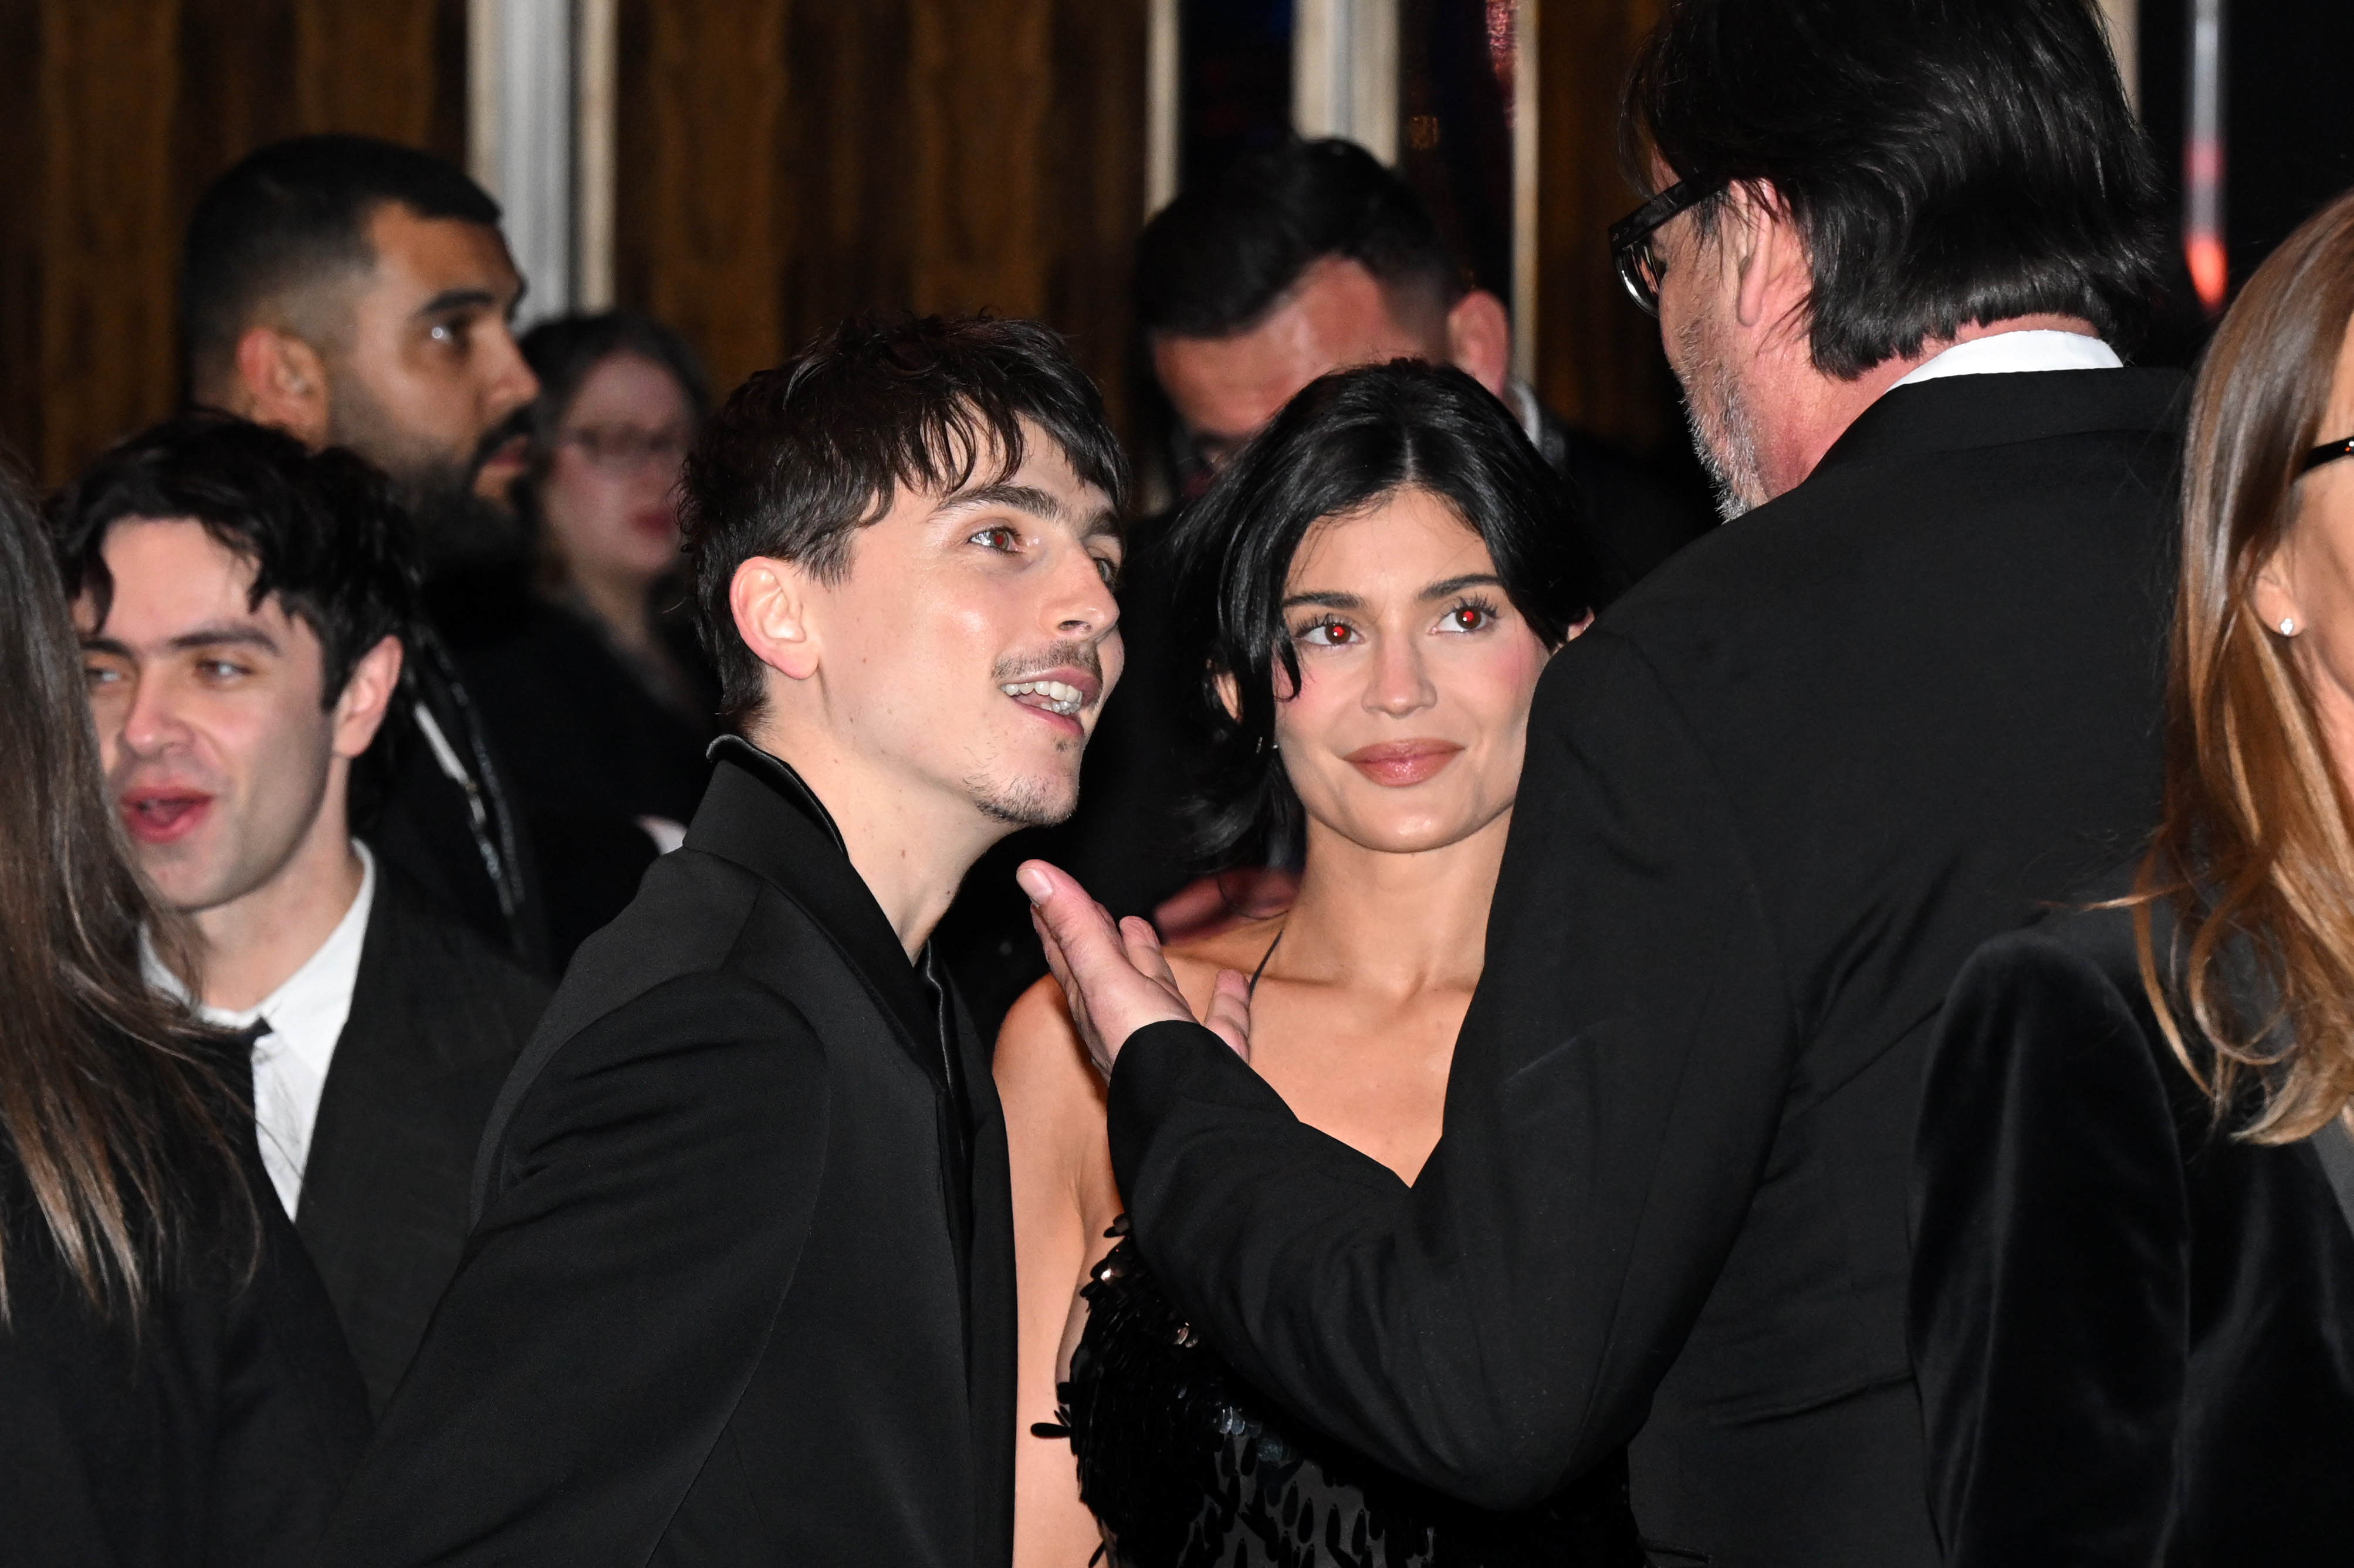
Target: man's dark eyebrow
{"x":1325,"y":600}
{"x":224,"y":636}
{"x":214,"y":636}
{"x":1027,"y":498}
{"x":1454,"y":585}
{"x":452,"y":300}
{"x":1104,"y":525}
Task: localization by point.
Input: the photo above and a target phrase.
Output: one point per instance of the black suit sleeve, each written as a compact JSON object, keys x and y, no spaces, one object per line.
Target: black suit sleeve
{"x":651,"y":1197}
{"x":1499,"y":1327}
{"x":2050,"y":1305}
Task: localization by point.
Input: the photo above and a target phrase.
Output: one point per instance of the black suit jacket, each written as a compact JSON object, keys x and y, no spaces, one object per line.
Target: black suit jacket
{"x":1771,"y":803}
{"x":436,"y":1023}
{"x":2135,"y":1332}
{"x":741,"y":1288}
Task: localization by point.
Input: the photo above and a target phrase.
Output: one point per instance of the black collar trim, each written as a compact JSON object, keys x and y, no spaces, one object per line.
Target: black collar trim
{"x":778,"y":775}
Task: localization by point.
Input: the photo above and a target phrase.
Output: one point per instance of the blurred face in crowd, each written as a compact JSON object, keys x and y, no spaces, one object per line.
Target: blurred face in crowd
{"x":607,"y":496}
{"x":428,"y":368}
{"x":226,"y":757}
{"x":965,"y":655}
{"x":2309,"y":581}
{"x":1415,"y":676}
{"x":1337,"y":315}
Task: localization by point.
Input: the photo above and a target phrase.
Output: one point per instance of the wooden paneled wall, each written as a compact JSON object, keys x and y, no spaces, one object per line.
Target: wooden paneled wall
{"x":113,"y":116}
{"x":1598,"y":359}
{"x":785,"y":165}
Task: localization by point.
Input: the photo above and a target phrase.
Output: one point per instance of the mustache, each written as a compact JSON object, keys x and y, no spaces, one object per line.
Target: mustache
{"x":1071,"y":655}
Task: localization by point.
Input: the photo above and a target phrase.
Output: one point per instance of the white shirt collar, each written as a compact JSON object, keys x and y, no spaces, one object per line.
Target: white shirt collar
{"x":305,"y":1016}
{"x":2010,"y":353}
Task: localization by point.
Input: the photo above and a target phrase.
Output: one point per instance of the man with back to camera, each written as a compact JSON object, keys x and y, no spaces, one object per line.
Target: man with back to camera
{"x":740,"y":1288}
{"x":244,"y":606}
{"x":353,"y":292}
{"x":1300,"y":259}
{"x":1772,"y":800}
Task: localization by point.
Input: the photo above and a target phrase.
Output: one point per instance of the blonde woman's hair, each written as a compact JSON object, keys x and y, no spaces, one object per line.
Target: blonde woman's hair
{"x":2256,"y":853}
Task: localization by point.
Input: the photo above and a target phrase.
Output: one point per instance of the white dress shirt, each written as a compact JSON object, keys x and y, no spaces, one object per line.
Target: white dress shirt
{"x":305,"y":1017}
{"x":2008,"y":352}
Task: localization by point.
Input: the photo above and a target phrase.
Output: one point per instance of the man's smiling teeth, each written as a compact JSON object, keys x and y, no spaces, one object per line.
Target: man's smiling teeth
{"x":1057,"y":698}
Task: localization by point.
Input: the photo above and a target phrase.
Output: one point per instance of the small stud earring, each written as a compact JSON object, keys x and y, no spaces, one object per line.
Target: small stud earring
{"x":2288,"y":626}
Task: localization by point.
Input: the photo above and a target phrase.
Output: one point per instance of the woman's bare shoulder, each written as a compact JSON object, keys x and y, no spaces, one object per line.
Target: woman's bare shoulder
{"x":1042,"y":1068}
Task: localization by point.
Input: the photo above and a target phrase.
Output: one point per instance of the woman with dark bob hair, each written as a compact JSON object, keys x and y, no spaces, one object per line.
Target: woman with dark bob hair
{"x":174,"y":1388}
{"x":2133,"y":1290}
{"x":1376,"y":584}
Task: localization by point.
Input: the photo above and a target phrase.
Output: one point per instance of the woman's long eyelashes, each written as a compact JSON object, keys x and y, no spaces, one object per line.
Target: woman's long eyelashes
{"x":1470,"y":613}
{"x":1327,"y":631}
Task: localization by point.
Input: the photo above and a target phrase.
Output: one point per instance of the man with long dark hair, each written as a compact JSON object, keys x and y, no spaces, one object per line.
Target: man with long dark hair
{"x":740,"y":1286}
{"x":1772,"y":800}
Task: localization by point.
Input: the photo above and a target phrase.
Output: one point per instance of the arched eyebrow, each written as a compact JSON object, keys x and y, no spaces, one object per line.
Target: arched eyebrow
{"x":1454,"y":585}
{"x":1447,"y":589}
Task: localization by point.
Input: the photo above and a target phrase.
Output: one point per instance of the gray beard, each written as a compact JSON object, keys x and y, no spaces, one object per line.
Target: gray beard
{"x":1723,"y":432}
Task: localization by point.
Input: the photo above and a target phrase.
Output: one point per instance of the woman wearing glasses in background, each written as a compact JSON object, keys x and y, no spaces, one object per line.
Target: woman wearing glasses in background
{"x":599,"y":696}
{"x":2133,"y":1298}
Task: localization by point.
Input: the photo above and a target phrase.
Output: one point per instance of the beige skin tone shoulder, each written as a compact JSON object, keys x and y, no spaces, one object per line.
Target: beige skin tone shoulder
{"x":1404,"y":743}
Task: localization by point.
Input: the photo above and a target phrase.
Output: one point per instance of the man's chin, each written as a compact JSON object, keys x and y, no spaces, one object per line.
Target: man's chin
{"x":1026,"y":802}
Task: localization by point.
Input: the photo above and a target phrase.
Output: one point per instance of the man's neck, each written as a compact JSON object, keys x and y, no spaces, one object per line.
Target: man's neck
{"x":251,"y":946}
{"x":1802,"y":413}
{"x":909,"y":844}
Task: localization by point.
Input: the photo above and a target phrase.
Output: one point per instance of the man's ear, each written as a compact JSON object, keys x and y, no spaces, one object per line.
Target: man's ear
{"x":368,"y":697}
{"x":1480,"y":339}
{"x":1775,"y":278}
{"x":280,"y":380}
{"x":769,"y":599}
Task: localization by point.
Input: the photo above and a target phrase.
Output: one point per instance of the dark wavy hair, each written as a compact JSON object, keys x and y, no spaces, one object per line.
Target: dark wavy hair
{"x":321,"y":530}
{"x":1948,"y":162}
{"x":119,"y":1128}
{"x":1343,"y":443}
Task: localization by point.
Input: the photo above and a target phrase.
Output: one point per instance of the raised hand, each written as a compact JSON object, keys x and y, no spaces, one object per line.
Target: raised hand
{"x":1115,"y":977}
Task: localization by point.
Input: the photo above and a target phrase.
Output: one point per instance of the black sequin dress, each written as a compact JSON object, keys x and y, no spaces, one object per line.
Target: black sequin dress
{"x":1187,"y":1466}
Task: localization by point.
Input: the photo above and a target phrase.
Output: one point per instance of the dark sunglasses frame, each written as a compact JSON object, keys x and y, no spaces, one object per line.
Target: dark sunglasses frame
{"x":1631,"y":237}
{"x":2330,"y":453}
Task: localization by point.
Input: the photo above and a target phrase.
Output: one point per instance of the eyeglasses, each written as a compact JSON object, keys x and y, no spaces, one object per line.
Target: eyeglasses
{"x":623,"y":448}
{"x":1639,"y":267}
{"x":2330,"y":453}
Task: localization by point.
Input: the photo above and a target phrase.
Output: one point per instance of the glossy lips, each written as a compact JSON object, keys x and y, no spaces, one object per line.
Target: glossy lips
{"x":1394,"y":764}
{"x":160,"y":815}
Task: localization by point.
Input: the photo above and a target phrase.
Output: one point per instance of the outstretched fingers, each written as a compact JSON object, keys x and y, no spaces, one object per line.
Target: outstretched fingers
{"x":1116,"y":978}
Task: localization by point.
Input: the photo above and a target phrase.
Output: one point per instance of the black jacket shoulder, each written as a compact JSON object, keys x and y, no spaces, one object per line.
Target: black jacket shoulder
{"x":2134,"y":1329}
